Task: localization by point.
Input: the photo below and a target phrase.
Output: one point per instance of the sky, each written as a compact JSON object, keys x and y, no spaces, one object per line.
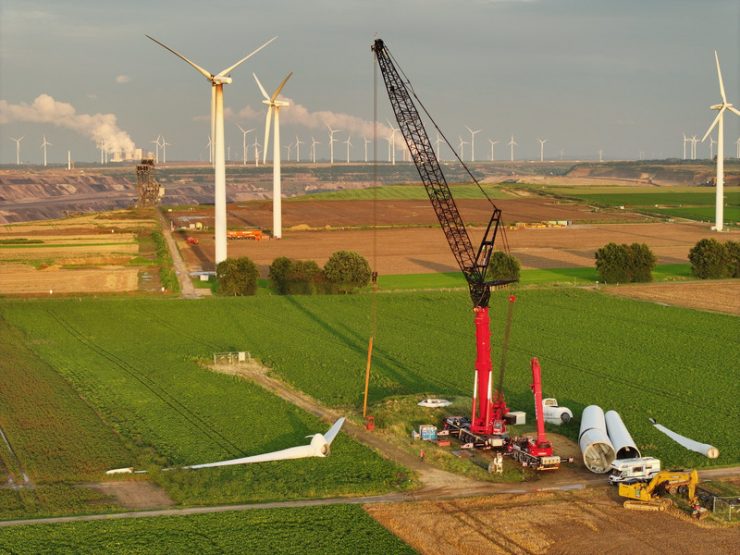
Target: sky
{"x":623,"y":77}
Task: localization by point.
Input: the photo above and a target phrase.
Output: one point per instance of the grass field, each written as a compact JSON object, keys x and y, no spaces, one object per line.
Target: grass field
{"x":694,"y":203}
{"x":134,"y":359}
{"x":339,"y":529}
{"x":404,"y":192}
{"x":554,"y":276}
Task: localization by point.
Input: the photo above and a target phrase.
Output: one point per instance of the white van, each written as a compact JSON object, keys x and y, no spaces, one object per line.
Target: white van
{"x":633,"y":470}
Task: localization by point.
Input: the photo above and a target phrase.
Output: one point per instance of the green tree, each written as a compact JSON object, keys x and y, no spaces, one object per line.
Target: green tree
{"x":503,"y":266}
{"x":304,"y":278}
{"x":237,"y":277}
{"x":279,"y":272}
{"x":613,"y":263}
{"x":346,"y":271}
{"x":710,"y":259}
{"x":733,"y":252}
{"x":642,"y":262}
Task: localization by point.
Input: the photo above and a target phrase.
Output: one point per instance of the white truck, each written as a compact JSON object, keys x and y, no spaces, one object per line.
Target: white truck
{"x":555,"y":414}
{"x":633,"y":470}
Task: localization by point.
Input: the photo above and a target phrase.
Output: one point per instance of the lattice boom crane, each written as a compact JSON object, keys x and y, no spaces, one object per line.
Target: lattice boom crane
{"x":487,"y":413}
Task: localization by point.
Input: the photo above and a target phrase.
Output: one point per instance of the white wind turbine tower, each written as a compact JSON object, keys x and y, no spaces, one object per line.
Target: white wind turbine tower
{"x":472,"y":142}
{"x":256,"y":146}
{"x":367,"y":141}
{"x":461,"y":147}
{"x":348,"y":142}
{"x":332,"y":140}
{"x":712,"y":142}
{"x":289,"y":148}
{"x":45,"y":144}
{"x":314,"y":142}
{"x":685,"y":140}
{"x":298,"y":144}
{"x":493,"y":143}
{"x":694,"y":139}
{"x":244,"y":143}
{"x":512,"y":143}
{"x":392,"y":157}
{"x":156,"y":147}
{"x":273,"y":111}
{"x":542,"y":149}
{"x":165,"y":144}
{"x":601,"y":155}
{"x":17,"y":150}
{"x":720,"y":124}
{"x":737,"y":148}
{"x":217,"y":132}
{"x":437,"y":143}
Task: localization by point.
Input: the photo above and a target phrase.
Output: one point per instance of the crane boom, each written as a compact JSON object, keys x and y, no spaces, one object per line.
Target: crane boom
{"x":487,"y":417}
{"x":473,"y":263}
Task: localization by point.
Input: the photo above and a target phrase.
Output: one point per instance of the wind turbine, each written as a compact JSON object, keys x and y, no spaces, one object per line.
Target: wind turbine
{"x":461,"y":147}
{"x":244,"y":143}
{"x":44,"y":144}
{"x":601,"y":155}
{"x":348,"y":142}
{"x":289,"y":148}
{"x":719,"y":122}
{"x":217,"y":132}
{"x":298,"y":144}
{"x":392,"y":143}
{"x":165,"y":144}
{"x":437,"y":143}
{"x":685,"y":140}
{"x":273,"y":111}
{"x":493,"y":142}
{"x":737,"y":148}
{"x":368,"y":141}
{"x":542,"y":149}
{"x":694,"y":139}
{"x":156,"y":146}
{"x":472,"y":142}
{"x":332,"y":140}
{"x":512,"y":143}
{"x":256,"y":146}
{"x":314,"y":142}
{"x":17,"y":150}
{"x":712,"y":142}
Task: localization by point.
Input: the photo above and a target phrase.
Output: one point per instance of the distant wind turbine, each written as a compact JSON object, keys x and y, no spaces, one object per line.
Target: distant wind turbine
{"x":45,"y":144}
{"x":512,"y":143}
{"x":472,"y":142}
{"x":601,"y":155}
{"x":273,"y":111}
{"x":17,"y":150}
{"x":165,"y":144}
{"x":367,"y":141}
{"x":217,"y":132}
{"x":685,"y":140}
{"x":348,"y":142}
{"x":244,"y":143}
{"x":493,"y":143}
{"x":719,"y":122}
{"x":314,"y":142}
{"x":332,"y":140}
{"x":737,"y":147}
{"x":542,"y":149}
{"x":393,"y":143}
{"x":298,"y":144}
{"x":437,"y":143}
{"x":156,"y":146}
{"x":461,"y":147}
{"x":694,"y":139}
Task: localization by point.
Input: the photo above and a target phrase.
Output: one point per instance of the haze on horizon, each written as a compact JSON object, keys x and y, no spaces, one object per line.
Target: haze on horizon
{"x":625,"y":77}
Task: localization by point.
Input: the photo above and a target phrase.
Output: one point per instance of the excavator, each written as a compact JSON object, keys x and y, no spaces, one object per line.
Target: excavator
{"x":487,"y":426}
{"x":648,"y":496}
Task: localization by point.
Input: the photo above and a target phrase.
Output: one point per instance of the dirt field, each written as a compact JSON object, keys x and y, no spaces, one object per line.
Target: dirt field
{"x":20,"y":279}
{"x":425,"y":250}
{"x":718,"y":296}
{"x":136,"y":494}
{"x":588,"y":521}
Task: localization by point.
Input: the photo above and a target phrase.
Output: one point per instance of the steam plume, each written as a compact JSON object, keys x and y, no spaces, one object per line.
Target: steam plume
{"x":101,"y":128}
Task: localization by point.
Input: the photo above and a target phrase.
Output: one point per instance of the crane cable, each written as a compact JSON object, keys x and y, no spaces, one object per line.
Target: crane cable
{"x":467,"y":170}
{"x":374,"y":276}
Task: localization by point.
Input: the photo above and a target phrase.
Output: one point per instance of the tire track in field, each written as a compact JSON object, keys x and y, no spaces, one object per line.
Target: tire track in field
{"x":189,"y":335}
{"x":156,"y":389}
{"x":16,"y":462}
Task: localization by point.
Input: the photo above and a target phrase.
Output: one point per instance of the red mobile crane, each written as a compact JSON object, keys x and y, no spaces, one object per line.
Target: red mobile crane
{"x":487,"y":415}
{"x":537,"y":453}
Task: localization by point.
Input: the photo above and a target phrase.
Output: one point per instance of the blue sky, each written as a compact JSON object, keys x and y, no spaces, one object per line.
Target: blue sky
{"x":586,"y":74}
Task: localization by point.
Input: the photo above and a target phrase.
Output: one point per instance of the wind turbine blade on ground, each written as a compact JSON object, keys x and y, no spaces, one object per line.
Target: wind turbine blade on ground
{"x":719,"y":75}
{"x":208,"y":75}
{"x":714,"y":123}
{"x":229,"y":69}
{"x":280,"y":88}
{"x":262,"y":89}
{"x":268,"y":121}
{"x":334,"y":430}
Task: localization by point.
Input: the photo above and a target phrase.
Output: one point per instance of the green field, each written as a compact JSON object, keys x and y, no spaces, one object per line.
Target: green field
{"x":549,"y":276}
{"x":404,"y":192}
{"x":694,"y":203}
{"x":338,"y":529}
{"x":134,"y":359}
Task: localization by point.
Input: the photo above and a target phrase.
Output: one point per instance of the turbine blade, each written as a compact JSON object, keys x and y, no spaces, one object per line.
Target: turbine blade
{"x":208,"y":75}
{"x":714,"y":123}
{"x":262,"y":89}
{"x":719,"y":75}
{"x":244,"y":59}
{"x":240,"y":128}
{"x":268,"y":121}
{"x":734,"y":110}
{"x":334,"y":430}
{"x":280,"y":88}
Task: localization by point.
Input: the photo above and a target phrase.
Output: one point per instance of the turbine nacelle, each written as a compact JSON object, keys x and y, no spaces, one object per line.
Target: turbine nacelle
{"x":221,"y":80}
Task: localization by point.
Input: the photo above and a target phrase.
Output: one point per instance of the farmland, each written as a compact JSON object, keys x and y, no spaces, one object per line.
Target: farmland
{"x":343,"y":529}
{"x":594,"y":349}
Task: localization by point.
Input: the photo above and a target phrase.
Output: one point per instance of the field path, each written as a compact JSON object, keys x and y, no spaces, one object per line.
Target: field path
{"x":186,"y":286}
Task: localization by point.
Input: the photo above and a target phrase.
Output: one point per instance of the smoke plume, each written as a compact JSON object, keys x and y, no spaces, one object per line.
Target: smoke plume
{"x":101,"y":128}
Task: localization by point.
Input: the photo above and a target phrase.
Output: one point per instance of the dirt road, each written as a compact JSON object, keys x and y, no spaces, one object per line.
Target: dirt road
{"x":186,"y":286}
